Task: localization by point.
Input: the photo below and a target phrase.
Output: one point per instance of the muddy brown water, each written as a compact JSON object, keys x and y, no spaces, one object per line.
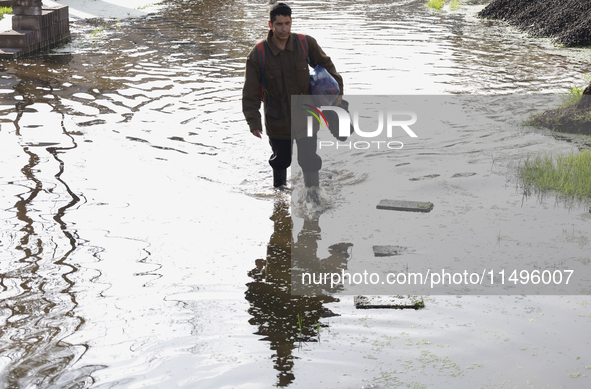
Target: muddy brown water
{"x":142,"y":247}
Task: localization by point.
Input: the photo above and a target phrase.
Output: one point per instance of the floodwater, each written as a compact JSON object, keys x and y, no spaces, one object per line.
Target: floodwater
{"x":142,"y":246}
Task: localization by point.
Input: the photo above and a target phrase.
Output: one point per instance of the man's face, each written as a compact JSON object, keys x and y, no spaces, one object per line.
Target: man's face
{"x":281,"y":27}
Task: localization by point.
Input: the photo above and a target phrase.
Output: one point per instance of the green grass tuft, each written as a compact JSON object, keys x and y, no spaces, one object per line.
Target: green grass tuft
{"x":5,"y":10}
{"x":436,"y":4}
{"x":571,"y":96}
{"x":454,"y":5}
{"x":567,"y":175}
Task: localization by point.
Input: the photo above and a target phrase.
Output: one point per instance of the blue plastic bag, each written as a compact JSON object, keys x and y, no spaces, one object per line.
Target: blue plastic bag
{"x":323,"y":86}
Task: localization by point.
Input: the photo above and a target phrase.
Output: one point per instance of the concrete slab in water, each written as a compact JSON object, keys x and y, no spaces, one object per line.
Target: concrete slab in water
{"x":389,"y":302}
{"x":404,"y":205}
{"x":388,"y":251}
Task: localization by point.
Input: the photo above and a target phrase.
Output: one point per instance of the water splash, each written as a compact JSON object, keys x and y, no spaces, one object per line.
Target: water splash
{"x":309,"y":203}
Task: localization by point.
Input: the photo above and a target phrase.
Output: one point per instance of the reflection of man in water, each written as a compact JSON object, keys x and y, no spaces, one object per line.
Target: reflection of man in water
{"x":282,"y":318}
{"x":286,"y":74}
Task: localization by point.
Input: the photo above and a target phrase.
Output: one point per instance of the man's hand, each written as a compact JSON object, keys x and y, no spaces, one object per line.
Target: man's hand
{"x":257,"y":133}
{"x":337,"y":102}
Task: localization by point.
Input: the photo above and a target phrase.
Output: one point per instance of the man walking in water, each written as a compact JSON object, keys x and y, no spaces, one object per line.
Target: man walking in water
{"x":279,"y":68}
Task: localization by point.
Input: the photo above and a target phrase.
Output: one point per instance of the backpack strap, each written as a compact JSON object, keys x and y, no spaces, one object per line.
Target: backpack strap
{"x":262,"y":56}
{"x":304,"y":43}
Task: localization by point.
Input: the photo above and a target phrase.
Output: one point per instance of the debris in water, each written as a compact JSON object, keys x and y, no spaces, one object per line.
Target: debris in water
{"x":388,"y":250}
{"x":389,"y":302}
{"x":404,"y":205}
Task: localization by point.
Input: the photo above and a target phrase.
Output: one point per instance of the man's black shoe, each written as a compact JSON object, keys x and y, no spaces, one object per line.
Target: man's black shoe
{"x":280,"y":178}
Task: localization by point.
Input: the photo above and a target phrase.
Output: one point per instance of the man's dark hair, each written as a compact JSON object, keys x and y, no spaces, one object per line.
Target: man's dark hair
{"x":279,"y":9}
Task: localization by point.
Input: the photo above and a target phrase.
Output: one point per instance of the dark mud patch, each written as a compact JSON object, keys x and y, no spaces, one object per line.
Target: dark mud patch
{"x":567,"y":22}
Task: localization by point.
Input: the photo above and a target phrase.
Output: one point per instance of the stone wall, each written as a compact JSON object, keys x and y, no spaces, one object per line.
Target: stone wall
{"x":34,"y":29}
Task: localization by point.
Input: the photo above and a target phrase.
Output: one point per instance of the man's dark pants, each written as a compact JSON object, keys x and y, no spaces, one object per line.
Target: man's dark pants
{"x":309,"y":161}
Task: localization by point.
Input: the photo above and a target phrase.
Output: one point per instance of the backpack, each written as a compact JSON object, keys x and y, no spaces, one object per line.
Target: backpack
{"x":262,"y":55}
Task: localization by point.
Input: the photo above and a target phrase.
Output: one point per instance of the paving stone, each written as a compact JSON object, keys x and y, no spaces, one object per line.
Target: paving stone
{"x":18,"y":39}
{"x":388,"y":302}
{"x":34,"y":29}
{"x":388,"y":251}
{"x":18,"y":10}
{"x":33,"y":22}
{"x":7,"y":53}
{"x":404,"y":205}
{"x":27,"y":3}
